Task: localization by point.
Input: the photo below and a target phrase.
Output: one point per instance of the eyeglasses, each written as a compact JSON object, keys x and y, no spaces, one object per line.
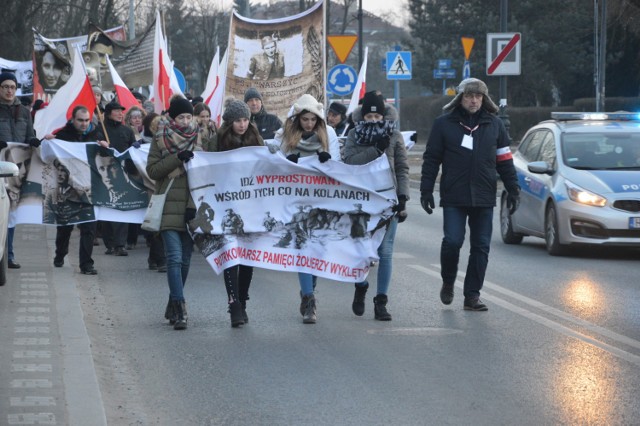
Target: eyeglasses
{"x":8,"y":87}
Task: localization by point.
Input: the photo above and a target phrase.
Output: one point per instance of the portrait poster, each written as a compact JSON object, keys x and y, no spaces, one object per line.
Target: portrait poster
{"x":132,"y":59}
{"x":282,"y":58}
{"x":259,"y":209}
{"x":23,"y":71}
{"x":52,"y":59}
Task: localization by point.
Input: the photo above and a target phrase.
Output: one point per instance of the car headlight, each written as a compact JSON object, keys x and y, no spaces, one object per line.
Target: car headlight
{"x":583,"y":196}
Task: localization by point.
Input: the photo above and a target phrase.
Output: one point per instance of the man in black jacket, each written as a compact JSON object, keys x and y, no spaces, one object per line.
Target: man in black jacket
{"x":78,"y":129}
{"x":15,"y":126}
{"x":471,"y":143}
{"x":267,"y":124}
{"x":121,"y":137}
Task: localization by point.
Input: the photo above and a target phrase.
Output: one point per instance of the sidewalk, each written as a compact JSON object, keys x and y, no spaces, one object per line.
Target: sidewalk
{"x":47,"y":375}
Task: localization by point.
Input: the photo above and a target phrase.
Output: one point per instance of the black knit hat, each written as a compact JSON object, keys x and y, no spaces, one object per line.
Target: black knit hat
{"x":252,"y":93}
{"x":338,"y":108}
{"x":180,"y":106}
{"x":4,"y":76}
{"x":371,"y":102}
{"x":235,"y":109}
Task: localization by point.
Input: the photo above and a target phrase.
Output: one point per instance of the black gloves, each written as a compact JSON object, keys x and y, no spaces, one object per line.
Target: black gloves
{"x":323,"y":156}
{"x":401,"y":208}
{"x":185,"y":155}
{"x":513,"y":201}
{"x":136,"y":144}
{"x":129,"y":167}
{"x":293,"y":158}
{"x":382,"y":142}
{"x":428,"y":204}
{"x":189,"y":214}
{"x":414,"y":137}
{"x":34,"y":142}
{"x":3,"y":145}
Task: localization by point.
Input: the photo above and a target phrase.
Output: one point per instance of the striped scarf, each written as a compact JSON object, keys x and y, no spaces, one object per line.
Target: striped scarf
{"x":175,"y":138}
{"x":369,"y":131}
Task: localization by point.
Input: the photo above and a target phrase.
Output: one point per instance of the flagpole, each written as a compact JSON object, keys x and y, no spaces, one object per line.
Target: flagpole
{"x":104,"y":129}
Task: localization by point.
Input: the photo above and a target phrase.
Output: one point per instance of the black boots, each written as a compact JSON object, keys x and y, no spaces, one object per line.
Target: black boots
{"x":380,"y":308}
{"x":358,"y":299}
{"x":169,"y":314}
{"x":245,"y":317}
{"x":179,"y":314}
{"x":235,"y":312}
{"x":309,"y":304}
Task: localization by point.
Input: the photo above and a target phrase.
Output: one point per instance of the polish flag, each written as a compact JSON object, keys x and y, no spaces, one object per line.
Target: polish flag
{"x":76,"y":91}
{"x":125,"y":97}
{"x":213,"y":79}
{"x":216,"y":100}
{"x":165,"y":83}
{"x":361,"y":85}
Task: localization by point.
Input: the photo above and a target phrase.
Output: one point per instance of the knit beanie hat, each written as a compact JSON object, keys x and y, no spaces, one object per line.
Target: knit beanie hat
{"x":308,"y":103}
{"x":180,"y":105}
{"x":235,"y":109}
{"x":4,"y":76}
{"x":252,"y":93}
{"x":372,"y":103}
{"x":472,"y":85}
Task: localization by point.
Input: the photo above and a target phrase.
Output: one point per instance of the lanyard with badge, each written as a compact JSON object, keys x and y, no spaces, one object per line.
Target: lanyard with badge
{"x":467,"y":140}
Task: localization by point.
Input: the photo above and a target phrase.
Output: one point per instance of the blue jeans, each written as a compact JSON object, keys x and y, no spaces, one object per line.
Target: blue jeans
{"x":10,"y":255}
{"x":385,"y":252}
{"x":307,"y":283}
{"x":178,"y":247}
{"x":480,"y":228}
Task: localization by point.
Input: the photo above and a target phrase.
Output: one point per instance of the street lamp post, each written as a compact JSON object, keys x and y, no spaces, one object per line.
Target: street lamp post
{"x":503,"y":79}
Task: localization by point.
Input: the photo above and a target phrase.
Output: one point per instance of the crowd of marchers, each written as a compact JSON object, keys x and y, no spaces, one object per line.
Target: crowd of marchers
{"x":467,"y":145}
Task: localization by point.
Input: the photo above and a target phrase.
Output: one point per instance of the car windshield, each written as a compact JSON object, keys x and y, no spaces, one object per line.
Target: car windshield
{"x":602,"y":151}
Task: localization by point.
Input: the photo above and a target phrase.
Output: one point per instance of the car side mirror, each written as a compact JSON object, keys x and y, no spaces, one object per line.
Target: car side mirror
{"x":8,"y":169}
{"x":540,"y":167}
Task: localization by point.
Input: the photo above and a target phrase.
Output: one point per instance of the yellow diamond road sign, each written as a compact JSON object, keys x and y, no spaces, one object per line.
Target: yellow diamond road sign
{"x":342,"y":45}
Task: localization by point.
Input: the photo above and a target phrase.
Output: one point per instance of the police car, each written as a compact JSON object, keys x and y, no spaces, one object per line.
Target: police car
{"x":579,"y":175}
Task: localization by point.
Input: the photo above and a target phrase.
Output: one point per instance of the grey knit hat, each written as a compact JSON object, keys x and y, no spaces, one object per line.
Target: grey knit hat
{"x":252,"y":93}
{"x":235,"y":109}
{"x":472,"y":85}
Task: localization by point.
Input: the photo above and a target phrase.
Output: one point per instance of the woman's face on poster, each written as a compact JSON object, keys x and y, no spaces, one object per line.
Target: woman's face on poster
{"x":50,"y":69}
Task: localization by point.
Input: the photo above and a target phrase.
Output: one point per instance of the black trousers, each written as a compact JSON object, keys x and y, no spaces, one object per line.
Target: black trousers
{"x":114,"y":234}
{"x":87,"y":234}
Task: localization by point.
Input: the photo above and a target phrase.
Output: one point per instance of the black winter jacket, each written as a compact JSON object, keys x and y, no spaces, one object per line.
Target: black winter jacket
{"x":468,"y":175}
{"x":267,"y":124}
{"x":121,"y":137}
{"x":70,"y":134}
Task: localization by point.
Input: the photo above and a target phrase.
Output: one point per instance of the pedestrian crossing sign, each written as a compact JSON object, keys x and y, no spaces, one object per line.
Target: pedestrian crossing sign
{"x":398,"y":65}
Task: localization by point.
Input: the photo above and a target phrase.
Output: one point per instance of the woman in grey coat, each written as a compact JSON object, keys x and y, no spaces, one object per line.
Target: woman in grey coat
{"x":375,"y":134}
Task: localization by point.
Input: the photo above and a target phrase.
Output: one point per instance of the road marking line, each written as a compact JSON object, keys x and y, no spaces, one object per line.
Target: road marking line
{"x":33,"y":293}
{"x":33,"y":310}
{"x":31,"y":329}
{"x":550,"y":323}
{"x":35,"y":301}
{"x":25,"y":341}
{"x":31,"y":354}
{"x":31,"y":368}
{"x":32,"y":401}
{"x":32,"y":318}
{"x":32,"y":419}
{"x":31,"y":383}
{"x":36,"y":286}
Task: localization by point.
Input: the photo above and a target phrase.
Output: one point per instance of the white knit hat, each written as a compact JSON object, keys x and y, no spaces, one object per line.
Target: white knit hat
{"x":308,"y":103}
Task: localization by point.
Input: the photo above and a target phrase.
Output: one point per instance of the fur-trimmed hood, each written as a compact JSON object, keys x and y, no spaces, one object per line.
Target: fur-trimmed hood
{"x":472,"y":85}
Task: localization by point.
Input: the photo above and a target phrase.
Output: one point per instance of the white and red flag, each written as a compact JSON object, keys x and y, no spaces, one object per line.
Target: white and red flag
{"x":165,"y":84}
{"x":361,"y":85}
{"x":76,"y":91}
{"x":216,"y":100}
{"x":213,"y":79}
{"x":125,"y":97}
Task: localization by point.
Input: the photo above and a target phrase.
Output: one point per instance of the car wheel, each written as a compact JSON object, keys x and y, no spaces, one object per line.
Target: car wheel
{"x":551,"y":234}
{"x":506,"y":225}
{"x":3,"y":266}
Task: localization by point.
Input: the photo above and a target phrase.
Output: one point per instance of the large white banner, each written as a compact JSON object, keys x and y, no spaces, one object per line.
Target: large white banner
{"x":259,"y":209}
{"x":64,"y":183}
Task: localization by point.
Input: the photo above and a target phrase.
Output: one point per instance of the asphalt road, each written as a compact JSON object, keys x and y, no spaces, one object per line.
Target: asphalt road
{"x":560,"y":343}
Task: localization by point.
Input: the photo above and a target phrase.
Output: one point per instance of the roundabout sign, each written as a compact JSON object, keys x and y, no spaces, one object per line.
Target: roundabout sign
{"x":342,"y":79}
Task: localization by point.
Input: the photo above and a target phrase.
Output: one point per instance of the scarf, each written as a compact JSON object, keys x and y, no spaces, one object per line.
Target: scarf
{"x":368,"y":131}
{"x":175,"y":138}
{"x":309,"y":146}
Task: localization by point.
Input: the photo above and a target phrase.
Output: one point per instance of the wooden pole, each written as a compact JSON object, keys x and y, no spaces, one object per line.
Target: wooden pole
{"x":104,"y":129}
